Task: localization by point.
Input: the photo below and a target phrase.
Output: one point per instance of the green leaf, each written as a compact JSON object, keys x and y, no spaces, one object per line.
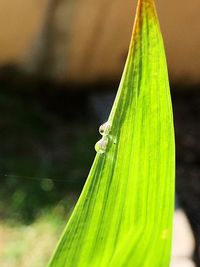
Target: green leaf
{"x":124,"y":215}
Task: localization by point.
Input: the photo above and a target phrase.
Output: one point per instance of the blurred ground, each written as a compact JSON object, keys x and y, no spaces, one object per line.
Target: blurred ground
{"x":29,"y":245}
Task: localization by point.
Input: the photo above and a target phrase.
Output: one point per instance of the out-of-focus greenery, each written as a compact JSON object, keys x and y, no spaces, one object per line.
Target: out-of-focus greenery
{"x":42,"y":135}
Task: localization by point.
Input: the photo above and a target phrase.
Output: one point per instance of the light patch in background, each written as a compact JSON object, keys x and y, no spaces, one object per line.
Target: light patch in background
{"x":20,"y":21}
{"x":183,"y":241}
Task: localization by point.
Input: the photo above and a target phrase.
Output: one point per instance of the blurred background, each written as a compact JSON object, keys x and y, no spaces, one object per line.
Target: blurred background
{"x":60,"y":66}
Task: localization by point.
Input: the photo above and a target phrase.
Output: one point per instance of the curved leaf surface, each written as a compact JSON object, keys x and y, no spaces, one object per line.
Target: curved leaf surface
{"x":124,"y":215}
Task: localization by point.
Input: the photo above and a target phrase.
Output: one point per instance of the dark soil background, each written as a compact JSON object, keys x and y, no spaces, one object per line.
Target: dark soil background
{"x":47,"y":137}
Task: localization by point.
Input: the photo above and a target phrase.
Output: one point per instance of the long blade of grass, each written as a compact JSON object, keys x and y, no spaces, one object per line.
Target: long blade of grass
{"x":124,"y":215}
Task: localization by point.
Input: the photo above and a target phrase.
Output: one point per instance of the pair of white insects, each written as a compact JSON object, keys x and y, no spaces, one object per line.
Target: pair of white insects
{"x":101,"y":145}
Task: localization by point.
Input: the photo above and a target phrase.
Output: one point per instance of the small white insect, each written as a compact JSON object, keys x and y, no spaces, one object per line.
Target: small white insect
{"x":104,"y":129}
{"x":101,"y":145}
